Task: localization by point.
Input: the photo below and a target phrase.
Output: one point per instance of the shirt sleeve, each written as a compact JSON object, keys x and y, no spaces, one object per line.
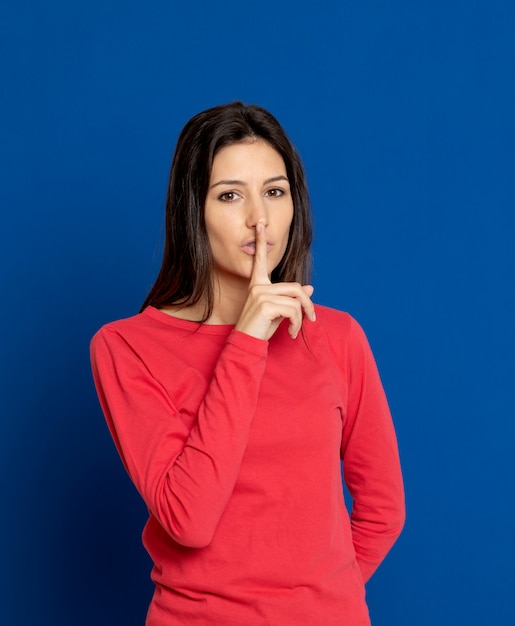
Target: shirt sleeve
{"x":371,"y":464}
{"x":185,"y":475}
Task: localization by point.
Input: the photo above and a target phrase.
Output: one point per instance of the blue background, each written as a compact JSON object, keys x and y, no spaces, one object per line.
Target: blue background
{"x":404,"y":115}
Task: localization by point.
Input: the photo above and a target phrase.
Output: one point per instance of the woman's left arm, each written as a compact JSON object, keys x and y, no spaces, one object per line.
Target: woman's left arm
{"x":371,"y":464}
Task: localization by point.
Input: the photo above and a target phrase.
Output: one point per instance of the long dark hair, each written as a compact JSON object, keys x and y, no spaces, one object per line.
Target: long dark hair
{"x":185,"y":276}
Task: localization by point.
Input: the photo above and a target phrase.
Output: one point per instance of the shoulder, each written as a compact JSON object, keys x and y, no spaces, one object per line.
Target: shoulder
{"x":342,"y":334}
{"x":126,"y":326}
{"x":134,"y":343}
{"x":150,"y":321}
{"x":135,"y":330}
{"x":155,"y":338}
{"x":340,"y":323}
{"x":347,"y":344}
{"x":329,"y":315}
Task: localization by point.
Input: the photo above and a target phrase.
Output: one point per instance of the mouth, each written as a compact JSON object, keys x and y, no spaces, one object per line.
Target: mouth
{"x":249,"y":246}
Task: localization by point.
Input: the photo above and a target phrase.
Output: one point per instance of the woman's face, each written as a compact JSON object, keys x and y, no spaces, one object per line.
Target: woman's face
{"x":248,"y":185}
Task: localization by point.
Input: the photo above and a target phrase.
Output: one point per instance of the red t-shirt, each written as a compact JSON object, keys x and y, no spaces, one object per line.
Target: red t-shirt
{"x":235,"y":445}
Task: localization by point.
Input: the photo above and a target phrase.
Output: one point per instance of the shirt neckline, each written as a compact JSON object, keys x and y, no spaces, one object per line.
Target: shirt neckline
{"x":178,"y":322}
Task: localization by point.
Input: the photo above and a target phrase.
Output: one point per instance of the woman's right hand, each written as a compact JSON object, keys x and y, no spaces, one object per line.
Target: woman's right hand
{"x":268,"y":304}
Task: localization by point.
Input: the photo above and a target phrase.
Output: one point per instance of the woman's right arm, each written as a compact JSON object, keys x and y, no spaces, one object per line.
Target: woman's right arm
{"x":185,"y":474}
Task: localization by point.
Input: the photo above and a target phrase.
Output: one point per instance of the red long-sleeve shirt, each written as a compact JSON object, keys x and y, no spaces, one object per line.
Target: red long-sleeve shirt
{"x":235,"y":444}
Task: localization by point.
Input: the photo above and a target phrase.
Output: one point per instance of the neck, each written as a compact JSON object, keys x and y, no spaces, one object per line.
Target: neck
{"x":229,"y":297}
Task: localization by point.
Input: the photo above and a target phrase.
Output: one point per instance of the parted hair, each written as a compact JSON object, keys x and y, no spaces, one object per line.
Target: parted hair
{"x":185,"y":276}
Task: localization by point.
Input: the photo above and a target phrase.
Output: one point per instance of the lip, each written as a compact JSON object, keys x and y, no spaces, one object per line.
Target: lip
{"x":249,"y":247}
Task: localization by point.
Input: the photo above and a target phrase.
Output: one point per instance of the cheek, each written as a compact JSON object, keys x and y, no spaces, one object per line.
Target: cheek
{"x":214,"y":232}
{"x":221,"y":237}
{"x":216,"y":241}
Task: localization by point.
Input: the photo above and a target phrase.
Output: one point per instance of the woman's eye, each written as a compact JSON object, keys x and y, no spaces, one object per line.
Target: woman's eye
{"x":228,"y":196}
{"x":275,"y":193}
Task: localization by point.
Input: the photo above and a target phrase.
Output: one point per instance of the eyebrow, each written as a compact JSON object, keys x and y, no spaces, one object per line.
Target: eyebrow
{"x":241,"y":182}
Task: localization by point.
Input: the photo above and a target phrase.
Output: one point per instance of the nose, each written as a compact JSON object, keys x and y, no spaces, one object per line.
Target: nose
{"x":257,"y":211}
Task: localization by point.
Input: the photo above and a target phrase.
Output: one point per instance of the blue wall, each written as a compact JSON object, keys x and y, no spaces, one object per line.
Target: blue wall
{"x":404,"y":115}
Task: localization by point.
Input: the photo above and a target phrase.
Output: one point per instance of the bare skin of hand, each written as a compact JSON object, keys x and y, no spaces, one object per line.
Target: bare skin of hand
{"x":269,"y":303}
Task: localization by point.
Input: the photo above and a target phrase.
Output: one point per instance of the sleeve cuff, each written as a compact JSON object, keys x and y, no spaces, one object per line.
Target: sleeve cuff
{"x":259,"y":347}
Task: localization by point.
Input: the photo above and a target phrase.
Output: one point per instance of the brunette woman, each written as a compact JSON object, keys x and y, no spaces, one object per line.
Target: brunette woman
{"x":232,"y":399}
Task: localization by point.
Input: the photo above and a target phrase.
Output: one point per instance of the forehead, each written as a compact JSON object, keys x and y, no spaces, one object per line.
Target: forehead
{"x":248,"y":159}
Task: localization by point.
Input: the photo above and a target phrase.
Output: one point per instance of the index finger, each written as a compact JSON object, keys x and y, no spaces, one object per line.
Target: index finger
{"x":259,"y":274}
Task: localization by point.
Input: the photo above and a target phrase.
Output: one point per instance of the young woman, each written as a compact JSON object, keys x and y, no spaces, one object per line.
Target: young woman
{"x":232,"y":399}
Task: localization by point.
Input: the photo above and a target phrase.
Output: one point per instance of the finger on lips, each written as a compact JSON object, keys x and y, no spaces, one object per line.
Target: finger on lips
{"x":260,"y":268}
{"x":300,"y":294}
